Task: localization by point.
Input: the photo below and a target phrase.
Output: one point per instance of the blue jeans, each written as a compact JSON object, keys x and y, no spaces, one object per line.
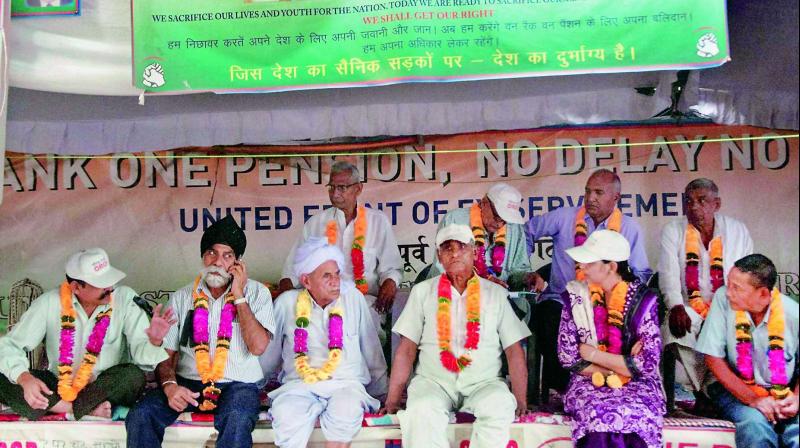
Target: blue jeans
{"x":752,"y":428}
{"x":234,"y":418}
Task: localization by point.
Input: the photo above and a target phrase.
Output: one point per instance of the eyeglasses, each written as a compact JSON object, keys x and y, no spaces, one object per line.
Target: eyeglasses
{"x":340,"y":188}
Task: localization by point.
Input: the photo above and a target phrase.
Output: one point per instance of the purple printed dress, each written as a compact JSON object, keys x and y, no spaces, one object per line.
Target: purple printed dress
{"x":638,"y":407}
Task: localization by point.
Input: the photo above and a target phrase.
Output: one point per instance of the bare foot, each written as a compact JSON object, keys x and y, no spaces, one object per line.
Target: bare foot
{"x":102,"y":410}
{"x":62,"y":407}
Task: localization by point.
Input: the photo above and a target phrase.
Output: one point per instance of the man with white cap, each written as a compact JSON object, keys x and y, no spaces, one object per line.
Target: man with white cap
{"x":97,"y":339}
{"x":224,"y":323}
{"x":498,"y":230}
{"x":460,"y":323}
{"x":331,"y":365}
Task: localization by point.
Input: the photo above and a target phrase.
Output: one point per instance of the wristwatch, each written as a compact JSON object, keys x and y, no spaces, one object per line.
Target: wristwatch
{"x":240,"y":300}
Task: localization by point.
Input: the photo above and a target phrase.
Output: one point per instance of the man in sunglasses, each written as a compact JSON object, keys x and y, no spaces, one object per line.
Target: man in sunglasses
{"x":372,"y":259}
{"x":97,"y":341}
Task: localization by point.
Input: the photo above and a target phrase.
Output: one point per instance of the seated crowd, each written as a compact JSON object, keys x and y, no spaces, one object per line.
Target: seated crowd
{"x":324,"y":337}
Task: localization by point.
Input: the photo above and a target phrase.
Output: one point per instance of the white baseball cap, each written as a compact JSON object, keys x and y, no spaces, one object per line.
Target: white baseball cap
{"x":507,"y":201}
{"x":601,"y":245}
{"x":455,"y":232}
{"x":92,"y":266}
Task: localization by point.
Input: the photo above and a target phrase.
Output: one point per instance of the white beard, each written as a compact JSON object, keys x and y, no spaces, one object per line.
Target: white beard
{"x":215,"y":281}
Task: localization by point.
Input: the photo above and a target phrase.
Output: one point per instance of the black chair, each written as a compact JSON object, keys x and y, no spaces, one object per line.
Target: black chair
{"x":668,"y":355}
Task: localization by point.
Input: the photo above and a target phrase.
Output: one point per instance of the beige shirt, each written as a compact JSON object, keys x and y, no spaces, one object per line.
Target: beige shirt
{"x":125,"y":339}
{"x":499,"y":329}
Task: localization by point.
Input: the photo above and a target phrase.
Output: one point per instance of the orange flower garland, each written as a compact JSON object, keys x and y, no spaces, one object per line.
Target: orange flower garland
{"x":68,"y":387}
{"x":480,"y":235}
{"x":582,"y":231}
{"x":448,"y":359}
{"x":692,"y":270}
{"x":357,"y":249}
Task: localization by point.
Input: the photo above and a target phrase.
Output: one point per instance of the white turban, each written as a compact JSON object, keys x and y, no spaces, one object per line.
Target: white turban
{"x":313,"y":253}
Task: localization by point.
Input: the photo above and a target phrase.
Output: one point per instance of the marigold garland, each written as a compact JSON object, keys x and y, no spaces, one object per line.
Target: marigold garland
{"x":473,"y":312}
{"x":479,"y":234}
{"x":68,"y":387}
{"x":609,"y":319}
{"x":211,"y":371}
{"x":776,"y":325}
{"x":357,"y":248}
{"x":307,"y":373}
{"x":582,"y":231}
{"x":692,"y":271}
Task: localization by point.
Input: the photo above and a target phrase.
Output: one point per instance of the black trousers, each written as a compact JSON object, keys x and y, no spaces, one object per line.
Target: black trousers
{"x":546,"y":322}
{"x":122,"y":384}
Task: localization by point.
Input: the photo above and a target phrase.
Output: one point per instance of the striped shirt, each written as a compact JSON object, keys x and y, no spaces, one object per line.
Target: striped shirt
{"x":242,"y":365}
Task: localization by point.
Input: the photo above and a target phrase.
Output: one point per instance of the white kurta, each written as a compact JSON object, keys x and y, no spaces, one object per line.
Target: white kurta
{"x":736,"y":243}
{"x":340,"y":402}
{"x":478,"y":389}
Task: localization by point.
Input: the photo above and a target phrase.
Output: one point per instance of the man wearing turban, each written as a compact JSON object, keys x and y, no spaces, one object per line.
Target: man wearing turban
{"x":331,"y":365}
{"x":371,"y":257}
{"x":225,"y":321}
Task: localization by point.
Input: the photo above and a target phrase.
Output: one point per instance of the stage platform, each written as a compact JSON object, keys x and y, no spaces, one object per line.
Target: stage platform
{"x":544,"y":430}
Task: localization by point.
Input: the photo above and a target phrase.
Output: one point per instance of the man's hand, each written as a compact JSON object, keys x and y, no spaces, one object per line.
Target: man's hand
{"x":34,"y":390}
{"x":284,"y":285}
{"x":534,"y":282}
{"x":239,"y":272}
{"x":180,"y":397}
{"x":391,"y":407}
{"x":767,"y":406}
{"x":386,"y":294}
{"x":787,"y":408}
{"x":496,"y":280}
{"x":522,"y":405}
{"x":679,"y":321}
{"x":160,"y":324}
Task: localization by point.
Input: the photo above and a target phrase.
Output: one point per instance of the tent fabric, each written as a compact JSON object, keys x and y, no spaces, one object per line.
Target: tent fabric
{"x":71,"y":93}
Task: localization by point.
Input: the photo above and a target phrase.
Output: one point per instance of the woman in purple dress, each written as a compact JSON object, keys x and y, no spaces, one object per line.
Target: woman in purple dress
{"x":610,"y":340}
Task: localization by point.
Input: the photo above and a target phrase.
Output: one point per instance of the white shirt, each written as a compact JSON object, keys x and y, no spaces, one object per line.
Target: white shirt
{"x":499,"y":329}
{"x":242,"y":365}
{"x":362,"y":359}
{"x":736,"y":243}
{"x":381,"y":255}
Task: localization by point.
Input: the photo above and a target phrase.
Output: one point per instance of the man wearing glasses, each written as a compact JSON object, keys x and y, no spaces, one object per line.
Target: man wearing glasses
{"x":372,"y":259}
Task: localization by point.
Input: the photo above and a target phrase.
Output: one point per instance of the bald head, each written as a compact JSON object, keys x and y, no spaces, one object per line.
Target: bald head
{"x":602,"y":193}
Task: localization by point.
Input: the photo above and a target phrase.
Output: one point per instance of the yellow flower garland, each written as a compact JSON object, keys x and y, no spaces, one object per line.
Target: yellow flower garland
{"x":307,"y":373}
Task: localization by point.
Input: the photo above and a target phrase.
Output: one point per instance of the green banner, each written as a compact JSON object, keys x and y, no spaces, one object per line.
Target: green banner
{"x":236,"y":45}
{"x":45,"y":7}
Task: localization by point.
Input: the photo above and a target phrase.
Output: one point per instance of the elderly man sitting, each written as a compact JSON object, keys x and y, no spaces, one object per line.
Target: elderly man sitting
{"x":460,"y":323}
{"x":224,"y":324}
{"x":327,"y":352}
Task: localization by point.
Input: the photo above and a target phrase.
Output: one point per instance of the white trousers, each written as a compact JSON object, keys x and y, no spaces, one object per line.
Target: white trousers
{"x":294,"y":413}
{"x":424,"y":422}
